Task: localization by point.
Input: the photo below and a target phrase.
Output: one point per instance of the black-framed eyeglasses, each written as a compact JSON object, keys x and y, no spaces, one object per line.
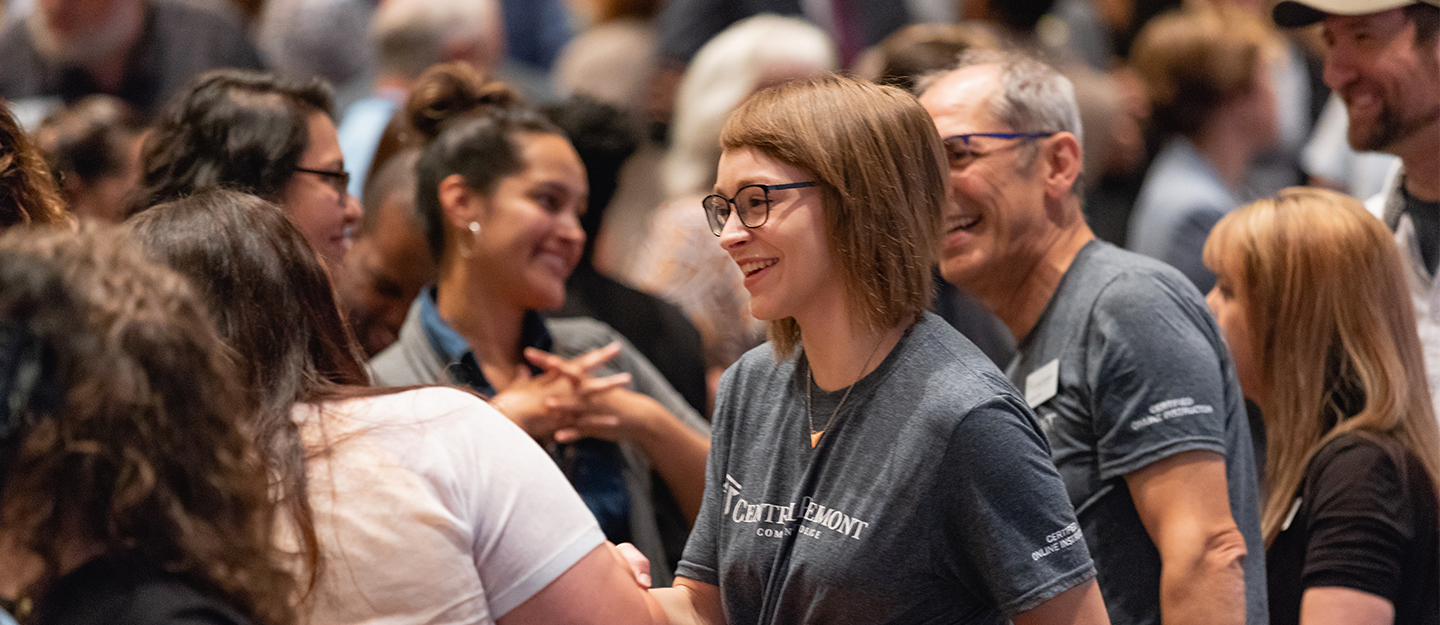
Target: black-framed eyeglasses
{"x":339,"y":180}
{"x":751,"y":202}
{"x":962,"y":154}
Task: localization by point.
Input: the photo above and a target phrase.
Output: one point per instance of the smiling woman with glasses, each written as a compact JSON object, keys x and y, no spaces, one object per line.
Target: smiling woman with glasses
{"x":868,"y":464}
{"x":751,"y":203}
{"x":261,"y":134}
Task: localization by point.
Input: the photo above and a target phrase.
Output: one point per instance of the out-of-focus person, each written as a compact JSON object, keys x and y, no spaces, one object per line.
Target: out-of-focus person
{"x":1207,"y":75}
{"x":906,"y":55}
{"x":329,"y":39}
{"x":93,"y":148}
{"x":615,"y":58}
{"x":132,"y":491}
{"x":605,"y":137}
{"x":1312,"y":298}
{"x":678,"y":259}
{"x":500,"y":192}
{"x":27,"y":188}
{"x":1118,"y":355}
{"x":1382,"y":58}
{"x":390,"y":261}
{"x":261,"y":134}
{"x":141,"y":51}
{"x":409,"y":37}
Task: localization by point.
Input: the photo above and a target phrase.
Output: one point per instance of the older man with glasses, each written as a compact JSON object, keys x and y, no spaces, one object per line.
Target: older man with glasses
{"x":1118,"y":354}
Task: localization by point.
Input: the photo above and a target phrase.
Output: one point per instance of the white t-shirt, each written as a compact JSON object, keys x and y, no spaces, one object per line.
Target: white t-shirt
{"x":432,"y":507}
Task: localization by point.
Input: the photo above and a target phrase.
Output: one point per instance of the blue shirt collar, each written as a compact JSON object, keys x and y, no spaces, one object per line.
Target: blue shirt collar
{"x":455,"y":350}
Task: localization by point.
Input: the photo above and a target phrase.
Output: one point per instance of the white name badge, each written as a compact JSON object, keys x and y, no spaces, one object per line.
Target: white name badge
{"x":1042,"y":384}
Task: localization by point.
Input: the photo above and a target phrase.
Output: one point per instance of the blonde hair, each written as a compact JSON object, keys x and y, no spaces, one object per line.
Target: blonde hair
{"x":1333,"y":332}
{"x":882,"y":176}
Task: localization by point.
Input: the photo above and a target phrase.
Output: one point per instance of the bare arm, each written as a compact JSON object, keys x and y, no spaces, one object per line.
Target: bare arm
{"x":691,"y":603}
{"x":1337,"y":605}
{"x":1184,"y":504}
{"x":1080,"y":605}
{"x":598,"y":589}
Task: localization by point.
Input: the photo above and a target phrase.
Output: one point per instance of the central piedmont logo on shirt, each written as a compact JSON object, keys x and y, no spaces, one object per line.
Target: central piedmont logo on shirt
{"x":818,"y":519}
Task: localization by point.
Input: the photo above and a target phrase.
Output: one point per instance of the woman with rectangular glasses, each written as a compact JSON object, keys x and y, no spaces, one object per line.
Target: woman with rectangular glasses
{"x":868,"y":464}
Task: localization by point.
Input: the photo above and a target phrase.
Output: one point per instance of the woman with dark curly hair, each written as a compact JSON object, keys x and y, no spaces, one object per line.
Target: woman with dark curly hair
{"x":27,"y":190}
{"x":257,"y":133}
{"x":131,"y":490}
{"x":413,"y":505}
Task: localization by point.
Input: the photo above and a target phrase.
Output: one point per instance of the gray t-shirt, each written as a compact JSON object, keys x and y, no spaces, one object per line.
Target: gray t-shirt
{"x":931,"y":498}
{"x":1124,"y":368}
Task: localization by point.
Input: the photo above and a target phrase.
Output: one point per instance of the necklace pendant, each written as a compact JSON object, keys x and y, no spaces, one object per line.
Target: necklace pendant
{"x":815,"y":439}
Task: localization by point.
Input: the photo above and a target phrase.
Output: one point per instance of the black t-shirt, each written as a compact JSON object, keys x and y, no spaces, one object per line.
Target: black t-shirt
{"x":1366,"y":519}
{"x":124,"y":590}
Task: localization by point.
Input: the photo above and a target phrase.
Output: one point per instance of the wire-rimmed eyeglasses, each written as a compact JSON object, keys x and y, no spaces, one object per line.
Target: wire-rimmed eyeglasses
{"x":751,"y":202}
{"x":957,"y":147}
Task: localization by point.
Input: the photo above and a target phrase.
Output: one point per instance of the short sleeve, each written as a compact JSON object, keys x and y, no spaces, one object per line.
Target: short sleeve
{"x":1361,"y":521}
{"x":1011,"y":517}
{"x":529,"y":524}
{"x":700,"y":561}
{"x":1157,"y":376}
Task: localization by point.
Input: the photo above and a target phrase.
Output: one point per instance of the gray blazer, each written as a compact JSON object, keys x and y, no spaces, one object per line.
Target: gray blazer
{"x":413,"y":360}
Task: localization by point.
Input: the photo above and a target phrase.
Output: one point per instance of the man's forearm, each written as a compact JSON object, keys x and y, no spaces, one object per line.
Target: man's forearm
{"x":1206,"y":587}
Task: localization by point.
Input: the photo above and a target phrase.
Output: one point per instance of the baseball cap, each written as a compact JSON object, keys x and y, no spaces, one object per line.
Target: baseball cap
{"x":1294,"y":13}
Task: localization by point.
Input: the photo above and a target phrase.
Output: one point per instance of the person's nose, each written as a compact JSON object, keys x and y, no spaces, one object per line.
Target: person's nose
{"x":1339,"y":69}
{"x":734,"y":233}
{"x":353,"y":211}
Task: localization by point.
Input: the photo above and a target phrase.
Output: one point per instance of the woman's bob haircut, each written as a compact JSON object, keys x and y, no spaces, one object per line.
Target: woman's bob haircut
{"x":882,"y":176}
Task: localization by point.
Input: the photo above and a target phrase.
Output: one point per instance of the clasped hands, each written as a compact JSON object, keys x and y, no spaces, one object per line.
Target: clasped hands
{"x":565,"y":402}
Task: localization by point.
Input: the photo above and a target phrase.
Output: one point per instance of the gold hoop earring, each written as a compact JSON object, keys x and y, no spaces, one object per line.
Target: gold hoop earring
{"x":474,"y":234}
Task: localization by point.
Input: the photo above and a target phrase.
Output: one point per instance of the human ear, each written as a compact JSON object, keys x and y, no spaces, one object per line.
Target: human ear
{"x":461,"y":204}
{"x":1062,"y":160}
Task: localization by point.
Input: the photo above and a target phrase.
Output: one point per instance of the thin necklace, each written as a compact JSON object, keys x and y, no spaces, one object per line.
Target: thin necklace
{"x":810,"y":382}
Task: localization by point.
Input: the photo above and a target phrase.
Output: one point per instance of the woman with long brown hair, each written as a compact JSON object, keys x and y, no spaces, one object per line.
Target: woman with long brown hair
{"x":420,"y":505}
{"x":1312,"y":299}
{"x":132,"y":489}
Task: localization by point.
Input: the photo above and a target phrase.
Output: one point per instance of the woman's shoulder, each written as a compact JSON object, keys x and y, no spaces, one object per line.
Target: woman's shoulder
{"x":1367,"y":460}
{"x":428,"y":408}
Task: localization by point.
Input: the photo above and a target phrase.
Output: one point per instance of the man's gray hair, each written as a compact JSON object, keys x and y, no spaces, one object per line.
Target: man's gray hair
{"x":1034,"y":97}
{"x":412,"y":35}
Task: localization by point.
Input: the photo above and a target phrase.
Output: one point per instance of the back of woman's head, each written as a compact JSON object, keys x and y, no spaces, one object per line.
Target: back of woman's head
{"x":469,"y":127}
{"x":135,"y":441}
{"x":266,"y":288}
{"x":1332,"y":329}
{"x":1192,"y":61}
{"x":27,"y":189}
{"x":882,"y":175}
{"x":750,"y":54}
{"x":235,"y":129}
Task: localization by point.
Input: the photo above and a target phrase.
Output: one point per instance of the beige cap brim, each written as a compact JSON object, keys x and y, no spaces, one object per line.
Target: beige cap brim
{"x":1294,"y":13}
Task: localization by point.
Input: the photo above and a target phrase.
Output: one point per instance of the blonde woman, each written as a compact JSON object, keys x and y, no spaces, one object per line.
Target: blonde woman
{"x":1312,"y":298}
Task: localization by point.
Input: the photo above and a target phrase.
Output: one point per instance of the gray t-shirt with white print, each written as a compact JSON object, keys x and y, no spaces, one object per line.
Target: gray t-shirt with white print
{"x":1126,"y":367}
{"x":931,"y":497}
